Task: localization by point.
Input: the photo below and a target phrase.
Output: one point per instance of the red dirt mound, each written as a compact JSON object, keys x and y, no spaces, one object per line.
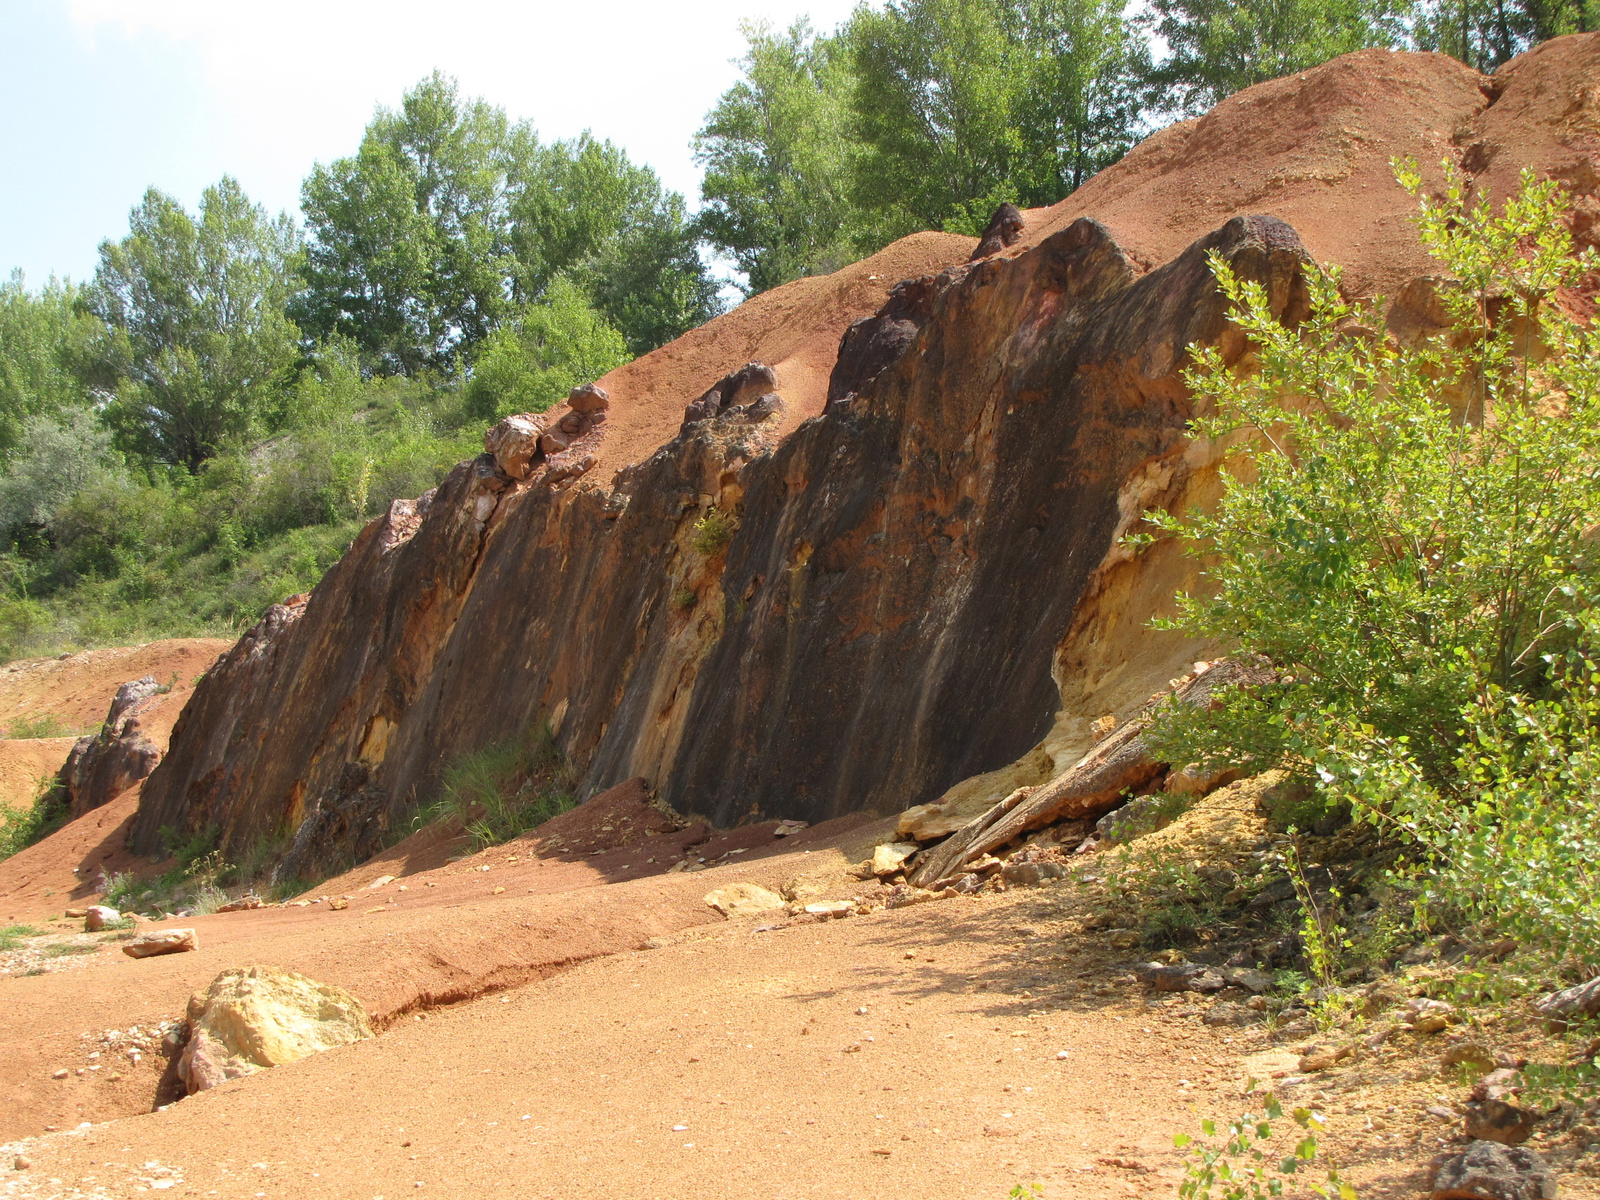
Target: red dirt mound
{"x":24,"y":762}
{"x":1313,"y":149}
{"x":62,"y":870}
{"x":77,"y":690}
{"x":794,"y":329}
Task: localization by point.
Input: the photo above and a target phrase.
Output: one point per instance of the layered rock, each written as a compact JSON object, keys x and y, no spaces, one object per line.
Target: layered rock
{"x":921,"y":594}
{"x":101,"y":767}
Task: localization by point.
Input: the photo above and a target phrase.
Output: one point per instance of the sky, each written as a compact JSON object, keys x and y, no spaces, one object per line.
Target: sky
{"x":102,"y":99}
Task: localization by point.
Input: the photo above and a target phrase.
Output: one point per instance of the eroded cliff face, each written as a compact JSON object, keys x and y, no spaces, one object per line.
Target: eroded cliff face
{"x":882,"y":622}
{"x":916,"y":592}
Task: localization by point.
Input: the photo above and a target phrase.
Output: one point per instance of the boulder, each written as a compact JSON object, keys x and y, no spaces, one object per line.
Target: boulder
{"x":1499,"y":1121}
{"x":743,"y":900}
{"x":1490,"y":1171}
{"x":1031,"y":874}
{"x":751,"y":385}
{"x":252,"y":1018}
{"x":891,"y":856}
{"x":1005,"y":229}
{"x":101,"y":767}
{"x":1139,"y":816}
{"x":1569,"y":1004}
{"x":588,"y":398}
{"x":161,"y":941}
{"x":100,"y":916}
{"x":514,"y":442}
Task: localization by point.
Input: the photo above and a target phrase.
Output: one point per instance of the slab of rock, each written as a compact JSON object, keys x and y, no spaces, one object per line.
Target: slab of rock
{"x":1569,"y":1004}
{"x":891,"y":856}
{"x":588,"y":398}
{"x":1031,"y":874}
{"x":100,"y":916}
{"x":99,"y":768}
{"x":1253,"y":981}
{"x":1490,"y":1171}
{"x":1499,"y":1121}
{"x":1093,"y":786}
{"x":1139,"y":816}
{"x":252,"y":1018}
{"x":161,"y":941}
{"x":514,"y":442}
{"x":831,"y":908}
{"x":1181,"y":977}
{"x":743,"y":900}
{"x":1321,"y":1058}
{"x":242,"y":904}
{"x":1005,"y":229}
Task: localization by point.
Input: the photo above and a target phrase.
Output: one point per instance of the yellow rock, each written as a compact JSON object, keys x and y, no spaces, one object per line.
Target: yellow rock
{"x":891,"y":856}
{"x":743,"y":899}
{"x":252,"y":1018}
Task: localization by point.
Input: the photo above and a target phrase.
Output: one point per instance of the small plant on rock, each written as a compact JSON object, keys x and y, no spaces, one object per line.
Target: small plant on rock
{"x":713,"y":532}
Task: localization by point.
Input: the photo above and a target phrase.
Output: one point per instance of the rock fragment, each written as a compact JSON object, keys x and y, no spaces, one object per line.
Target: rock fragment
{"x":161,"y":941}
{"x":891,"y":856}
{"x":254,"y":1018}
{"x":1005,"y":229}
{"x":743,"y":900}
{"x":1490,"y":1171}
{"x":1499,"y":1121}
{"x":1031,"y":874}
{"x":514,"y":442}
{"x":1570,"y":1004}
{"x":100,"y":916}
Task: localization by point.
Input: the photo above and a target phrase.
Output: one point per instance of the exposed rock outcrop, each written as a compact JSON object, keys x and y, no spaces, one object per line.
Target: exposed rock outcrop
{"x":104,"y":765}
{"x":1005,"y":229}
{"x":924,"y":586}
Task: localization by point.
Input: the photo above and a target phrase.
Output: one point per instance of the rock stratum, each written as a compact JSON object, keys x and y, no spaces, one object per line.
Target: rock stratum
{"x":856,"y":545}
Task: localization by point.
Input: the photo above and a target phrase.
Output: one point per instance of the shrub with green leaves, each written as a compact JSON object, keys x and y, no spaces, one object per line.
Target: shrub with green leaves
{"x":1235,"y":1167}
{"x":1410,"y":543}
{"x":1409,"y":527}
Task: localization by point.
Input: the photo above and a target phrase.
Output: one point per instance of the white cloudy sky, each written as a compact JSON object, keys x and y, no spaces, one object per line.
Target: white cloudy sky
{"x":100,"y":99}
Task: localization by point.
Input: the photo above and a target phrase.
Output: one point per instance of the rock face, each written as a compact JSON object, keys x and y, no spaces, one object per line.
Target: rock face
{"x":925,"y":584}
{"x":253,"y":1018}
{"x":101,"y":767}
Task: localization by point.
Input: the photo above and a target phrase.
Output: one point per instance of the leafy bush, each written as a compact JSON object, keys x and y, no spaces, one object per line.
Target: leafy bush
{"x":1236,"y":1168}
{"x":713,"y":531}
{"x":1413,"y":530}
{"x":1410,"y":546}
{"x":22,"y":827}
{"x":505,"y":789}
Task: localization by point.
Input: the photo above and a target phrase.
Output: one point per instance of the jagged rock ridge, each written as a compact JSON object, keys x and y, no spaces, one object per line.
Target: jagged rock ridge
{"x":922,"y":584}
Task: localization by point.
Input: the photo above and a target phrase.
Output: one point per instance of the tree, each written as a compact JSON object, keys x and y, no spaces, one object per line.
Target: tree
{"x":583,"y":210}
{"x":1083,"y":110}
{"x":55,"y":458}
{"x":1219,"y":47}
{"x":775,"y":198}
{"x":411,"y":243}
{"x":1485,"y":33}
{"x":549,"y":348}
{"x":39,"y":334}
{"x":450,"y":216}
{"x":936,"y":107}
{"x":192,"y":339}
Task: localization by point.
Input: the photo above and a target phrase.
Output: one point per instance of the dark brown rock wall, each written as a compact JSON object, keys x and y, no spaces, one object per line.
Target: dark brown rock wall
{"x":882,"y":623}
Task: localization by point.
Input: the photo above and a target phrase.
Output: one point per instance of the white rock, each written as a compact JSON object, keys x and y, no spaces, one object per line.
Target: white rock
{"x":743,"y":899}
{"x":891,"y":856}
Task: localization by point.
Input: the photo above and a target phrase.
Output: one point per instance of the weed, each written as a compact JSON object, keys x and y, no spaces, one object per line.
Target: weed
{"x":1027,"y":1191}
{"x":505,"y":789}
{"x":684,"y":599}
{"x":22,"y":827}
{"x":1238,"y":1169}
{"x":712,"y":532}
{"x":63,"y":949}
{"x":11,"y":936}
{"x":46,"y":725}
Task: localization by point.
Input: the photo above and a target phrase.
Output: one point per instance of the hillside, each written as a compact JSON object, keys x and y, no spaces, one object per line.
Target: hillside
{"x":780,"y":642}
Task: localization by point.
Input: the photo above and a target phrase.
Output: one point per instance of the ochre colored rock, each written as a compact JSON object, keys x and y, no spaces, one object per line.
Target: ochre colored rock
{"x":891,"y":856}
{"x":924,"y":582}
{"x":743,"y":900}
{"x":514,"y":442}
{"x":161,"y":941}
{"x":104,"y":765}
{"x":253,"y":1018}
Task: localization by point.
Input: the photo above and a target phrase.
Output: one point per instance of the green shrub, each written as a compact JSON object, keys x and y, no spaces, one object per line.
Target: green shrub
{"x":1395,"y":551}
{"x":1236,"y":1168}
{"x":712,"y":532}
{"x":1409,"y":547}
{"x":22,"y":827}
{"x":505,"y":789}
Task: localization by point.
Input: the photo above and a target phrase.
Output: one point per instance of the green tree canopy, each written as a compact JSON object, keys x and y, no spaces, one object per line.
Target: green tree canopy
{"x":775,"y":149}
{"x":1219,"y":47}
{"x":40,"y":333}
{"x":926,"y":114}
{"x":192,"y":339}
{"x":450,"y":216}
